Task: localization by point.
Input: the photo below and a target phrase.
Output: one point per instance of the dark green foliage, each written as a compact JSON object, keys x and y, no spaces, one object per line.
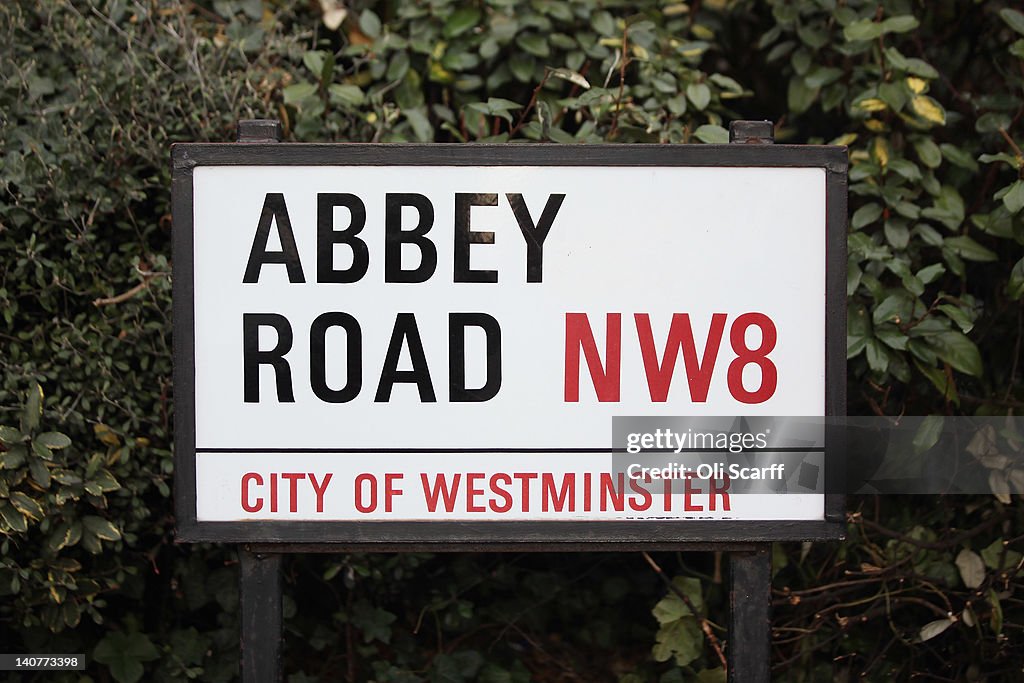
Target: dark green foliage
{"x":928,"y":96}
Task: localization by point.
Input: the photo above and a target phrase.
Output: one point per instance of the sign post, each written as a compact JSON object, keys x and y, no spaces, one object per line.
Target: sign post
{"x":423,"y":347}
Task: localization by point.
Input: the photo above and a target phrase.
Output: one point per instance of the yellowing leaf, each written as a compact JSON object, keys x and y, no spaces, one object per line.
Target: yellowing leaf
{"x":847,"y":139}
{"x":105,"y":434}
{"x":916,"y":85}
{"x":880,"y":151}
{"x":640,"y":52}
{"x":872,"y":104}
{"x":928,"y":109}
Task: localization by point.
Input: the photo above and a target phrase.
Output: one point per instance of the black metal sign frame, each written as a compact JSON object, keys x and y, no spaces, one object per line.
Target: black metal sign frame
{"x":497,"y":535}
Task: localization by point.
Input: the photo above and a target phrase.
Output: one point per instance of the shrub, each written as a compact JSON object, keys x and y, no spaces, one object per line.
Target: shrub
{"x":928,"y":97}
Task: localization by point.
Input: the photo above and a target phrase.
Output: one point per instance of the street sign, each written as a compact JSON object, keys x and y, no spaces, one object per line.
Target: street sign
{"x":428,"y":344}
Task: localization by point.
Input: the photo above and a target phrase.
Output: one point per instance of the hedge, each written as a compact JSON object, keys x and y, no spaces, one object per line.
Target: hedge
{"x":928,"y":98}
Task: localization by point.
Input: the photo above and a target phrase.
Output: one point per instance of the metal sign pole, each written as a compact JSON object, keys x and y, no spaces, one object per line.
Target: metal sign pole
{"x":748,"y":649}
{"x":260,"y":572}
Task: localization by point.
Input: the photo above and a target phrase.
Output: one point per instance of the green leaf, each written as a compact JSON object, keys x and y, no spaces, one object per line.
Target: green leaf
{"x":26,"y":506}
{"x":345,"y":94}
{"x":13,"y":518}
{"x":958,"y":316}
{"x":934,"y":628}
{"x":928,"y":433}
{"x":124,"y":653}
{"x":938,"y":378}
{"x":894,"y":308}
{"x":672,"y":607}
{"x":33,"y":409}
{"x":878,"y":359}
{"x":900,"y":24}
{"x":1015,"y":287}
{"x":534,"y":43}
{"x":370,"y":23}
{"x":10,"y":435}
{"x":865,"y":29}
{"x":460,"y":21}
{"x":1013,"y":19}
{"x":959,"y":351}
{"x":928,"y":152}
{"x":996,"y":619}
{"x":297,"y":92}
{"x":726,"y":83}
{"x":101,"y":528}
{"x":800,"y":96}
{"x":929,"y":274}
{"x":1014,"y":198}
{"x":966,"y":248}
{"x":420,"y":124}
{"x":711,"y":134}
{"x":865,"y":215}
{"x":958,"y":157}
{"x":1003,"y":157}
{"x":992,"y":122}
{"x":972,"y":569}
{"x":314,"y":61}
{"x":994,"y":558}
{"x":40,"y":472}
{"x":681,"y":639}
{"x":53,"y":440}
{"x":699,"y":94}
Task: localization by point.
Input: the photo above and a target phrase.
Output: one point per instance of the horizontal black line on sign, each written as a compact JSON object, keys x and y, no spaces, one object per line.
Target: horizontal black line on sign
{"x":801,"y":449}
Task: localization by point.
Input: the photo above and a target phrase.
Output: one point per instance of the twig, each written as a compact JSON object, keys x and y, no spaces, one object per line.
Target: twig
{"x":948,"y":543}
{"x":622,"y":83}
{"x":704,"y":625}
{"x":124,"y":296}
{"x":530,"y":105}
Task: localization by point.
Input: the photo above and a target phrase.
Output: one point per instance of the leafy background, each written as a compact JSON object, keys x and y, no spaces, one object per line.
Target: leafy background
{"x":926,"y":95}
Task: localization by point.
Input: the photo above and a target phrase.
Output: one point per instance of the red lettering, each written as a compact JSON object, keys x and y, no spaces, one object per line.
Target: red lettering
{"x":758,"y":356}
{"x":472,"y":492}
{"x":246,"y":505}
{"x":273,"y":493}
{"x":616,"y":490}
{"x":525,"y":478}
{"x":503,"y":493}
{"x":389,"y":489}
{"x":319,"y":488}
{"x":680,"y":335}
{"x":578,"y":334}
{"x":645,"y":495}
{"x":688,"y":491}
{"x":372,"y":481}
{"x":567,"y":492}
{"x":293,"y":490}
{"x":440,"y":488}
{"x":722,"y":491}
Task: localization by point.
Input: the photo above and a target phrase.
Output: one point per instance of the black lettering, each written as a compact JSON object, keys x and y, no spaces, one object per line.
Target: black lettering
{"x":464,"y":237}
{"x":457,"y":324}
{"x":405,"y":332}
{"x":535,"y":235}
{"x":274,"y":211}
{"x":318,"y":357}
{"x":327,"y":237}
{"x":253,"y":358}
{"x":395,"y":237}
